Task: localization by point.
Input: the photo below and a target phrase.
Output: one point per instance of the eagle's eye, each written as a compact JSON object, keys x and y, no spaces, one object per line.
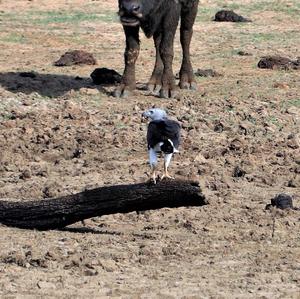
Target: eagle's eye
{"x":151,"y":112}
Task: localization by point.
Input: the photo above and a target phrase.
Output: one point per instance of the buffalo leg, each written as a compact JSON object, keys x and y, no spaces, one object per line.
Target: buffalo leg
{"x":130,"y":56}
{"x":166,"y":50}
{"x":188,"y":16}
{"x":154,"y":84}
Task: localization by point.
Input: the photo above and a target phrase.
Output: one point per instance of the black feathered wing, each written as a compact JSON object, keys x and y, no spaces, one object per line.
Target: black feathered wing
{"x":162,"y":131}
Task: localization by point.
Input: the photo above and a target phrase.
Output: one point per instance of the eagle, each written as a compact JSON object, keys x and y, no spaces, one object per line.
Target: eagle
{"x":163,"y":136}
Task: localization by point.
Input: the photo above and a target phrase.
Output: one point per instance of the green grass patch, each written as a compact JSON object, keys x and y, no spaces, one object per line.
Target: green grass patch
{"x":290,"y":7}
{"x":275,"y":121}
{"x":58,"y":17}
{"x":14,"y":38}
{"x":73,"y":17}
{"x":291,"y":103}
{"x":205,"y":14}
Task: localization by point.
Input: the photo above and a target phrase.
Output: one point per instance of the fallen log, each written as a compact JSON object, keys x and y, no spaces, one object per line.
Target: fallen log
{"x":60,"y":212}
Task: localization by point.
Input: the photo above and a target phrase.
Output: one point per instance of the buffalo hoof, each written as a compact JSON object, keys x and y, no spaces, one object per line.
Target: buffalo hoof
{"x":168,"y":93}
{"x":188,"y":85}
{"x":154,"y":89}
{"x":122,"y":92}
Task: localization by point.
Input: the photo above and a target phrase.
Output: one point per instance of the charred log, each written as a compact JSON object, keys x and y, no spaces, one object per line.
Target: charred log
{"x":63,"y":211}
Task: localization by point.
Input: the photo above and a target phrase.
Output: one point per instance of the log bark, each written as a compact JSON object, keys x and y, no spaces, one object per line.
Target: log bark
{"x":60,"y":212}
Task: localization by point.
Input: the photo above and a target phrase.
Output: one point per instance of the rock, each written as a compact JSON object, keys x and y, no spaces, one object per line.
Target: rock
{"x":46,"y":285}
{"x":293,"y":141}
{"x":244,"y":53}
{"x":200,"y":158}
{"x":281,"y":85}
{"x":90,"y":272}
{"x":89,"y":91}
{"x":108,"y":265}
{"x":238,"y":172}
{"x":26,"y":174}
{"x":281,"y":201}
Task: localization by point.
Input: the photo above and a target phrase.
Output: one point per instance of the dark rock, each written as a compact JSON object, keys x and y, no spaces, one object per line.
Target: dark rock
{"x":229,"y":16}
{"x":281,"y":201}
{"x":105,"y":76}
{"x":238,"y":172}
{"x":243,"y":53}
{"x":278,"y":62}
{"x":75,"y":57}
{"x":26,"y":174}
{"x":77,"y":153}
{"x":219,"y":127}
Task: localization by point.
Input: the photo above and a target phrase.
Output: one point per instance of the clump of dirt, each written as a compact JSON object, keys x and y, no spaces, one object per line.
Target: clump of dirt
{"x":229,"y":16}
{"x":278,"y":63}
{"x":75,"y":57}
{"x":104,"y":75}
{"x":207,"y":73}
{"x":244,"y":53}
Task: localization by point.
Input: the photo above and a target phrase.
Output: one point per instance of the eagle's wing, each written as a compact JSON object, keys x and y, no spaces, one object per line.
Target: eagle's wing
{"x":162,"y":130}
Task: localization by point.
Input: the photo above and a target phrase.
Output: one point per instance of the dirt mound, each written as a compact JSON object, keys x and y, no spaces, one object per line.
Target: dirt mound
{"x":229,"y":16}
{"x":278,"y":63}
{"x":75,"y":57}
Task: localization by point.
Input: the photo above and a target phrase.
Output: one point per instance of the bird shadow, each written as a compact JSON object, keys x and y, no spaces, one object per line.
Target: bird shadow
{"x":49,"y":85}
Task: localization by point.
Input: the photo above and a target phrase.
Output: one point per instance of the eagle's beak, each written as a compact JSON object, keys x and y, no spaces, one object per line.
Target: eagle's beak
{"x":144,"y":117}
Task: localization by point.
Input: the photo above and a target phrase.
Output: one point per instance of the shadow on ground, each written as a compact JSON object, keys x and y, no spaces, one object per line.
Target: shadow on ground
{"x":49,"y":85}
{"x":84,"y":230}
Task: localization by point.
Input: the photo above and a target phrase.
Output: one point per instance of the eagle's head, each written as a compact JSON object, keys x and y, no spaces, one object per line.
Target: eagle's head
{"x":155,"y":114}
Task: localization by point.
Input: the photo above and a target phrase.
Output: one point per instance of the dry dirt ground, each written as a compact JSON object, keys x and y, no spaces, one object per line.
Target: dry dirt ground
{"x":60,"y":135}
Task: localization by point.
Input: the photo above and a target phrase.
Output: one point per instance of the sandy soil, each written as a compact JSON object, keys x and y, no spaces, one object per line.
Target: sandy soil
{"x":60,"y":135}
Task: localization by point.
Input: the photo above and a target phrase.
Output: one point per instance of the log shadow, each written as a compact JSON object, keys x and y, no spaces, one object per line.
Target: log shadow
{"x":48,"y":85}
{"x":84,"y":230}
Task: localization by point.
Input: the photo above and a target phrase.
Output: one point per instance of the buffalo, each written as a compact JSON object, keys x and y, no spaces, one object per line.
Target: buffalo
{"x":158,"y":19}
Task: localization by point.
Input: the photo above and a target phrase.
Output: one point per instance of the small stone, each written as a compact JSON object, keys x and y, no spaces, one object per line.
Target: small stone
{"x":108,"y":265}
{"x":26,"y":174}
{"x":238,"y":172}
{"x":281,"y":85}
{"x":89,"y":91}
{"x":293,"y":141}
{"x":243,"y":53}
{"x":90,"y":272}
{"x":46,"y":285}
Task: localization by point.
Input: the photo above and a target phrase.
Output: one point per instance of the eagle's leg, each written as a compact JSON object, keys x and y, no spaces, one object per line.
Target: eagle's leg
{"x":153,"y":163}
{"x":166,"y":165}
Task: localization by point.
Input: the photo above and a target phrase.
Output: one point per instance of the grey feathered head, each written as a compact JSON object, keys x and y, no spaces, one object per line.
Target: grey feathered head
{"x":155,"y":114}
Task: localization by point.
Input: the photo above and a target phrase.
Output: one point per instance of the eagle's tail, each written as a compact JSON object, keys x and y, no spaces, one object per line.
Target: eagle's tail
{"x":168,"y":147}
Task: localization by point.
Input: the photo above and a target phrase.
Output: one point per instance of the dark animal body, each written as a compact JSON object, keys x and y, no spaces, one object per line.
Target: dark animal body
{"x":158,"y":19}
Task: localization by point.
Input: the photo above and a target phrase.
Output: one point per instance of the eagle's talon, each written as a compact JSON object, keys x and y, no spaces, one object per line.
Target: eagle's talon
{"x":166,"y":175}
